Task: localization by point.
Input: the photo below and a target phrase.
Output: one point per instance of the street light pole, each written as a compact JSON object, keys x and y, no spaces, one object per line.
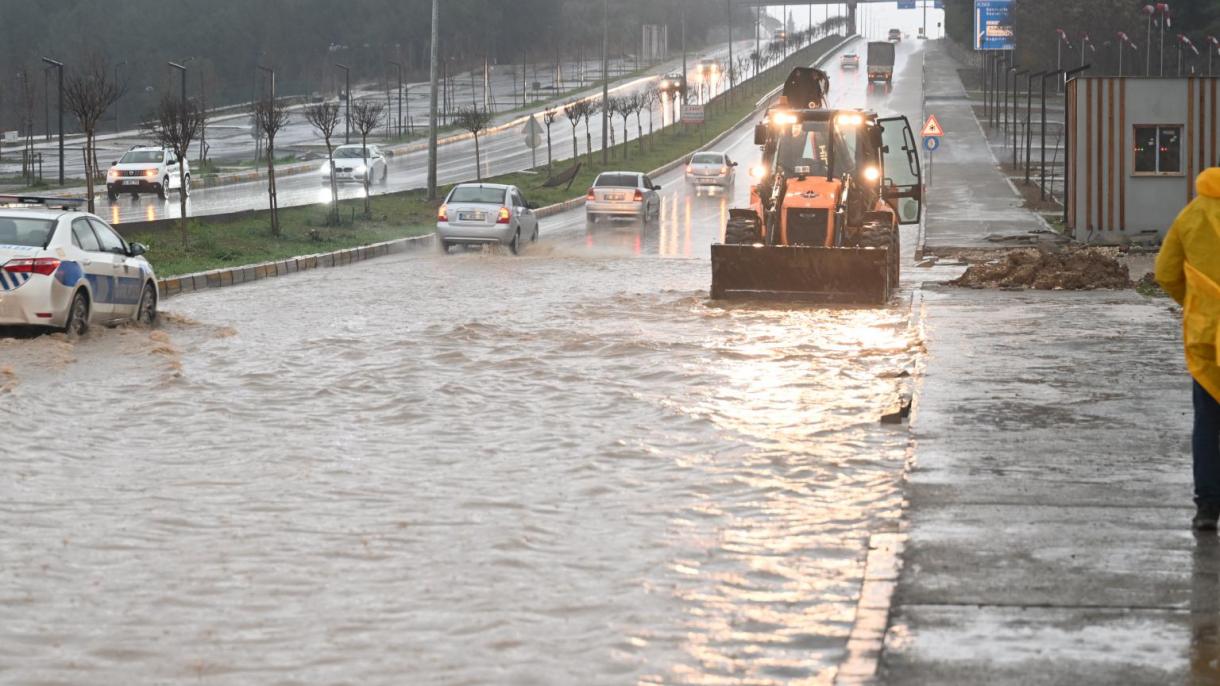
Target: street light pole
{"x":347,"y":96}
{"x":398,"y":65}
{"x":684,"y":72}
{"x":116,"y":100}
{"x":434,"y":72}
{"x":59,"y":66}
{"x":1015,"y":126}
{"x":182,"y":71}
{"x":605,"y":81}
{"x":732,"y":65}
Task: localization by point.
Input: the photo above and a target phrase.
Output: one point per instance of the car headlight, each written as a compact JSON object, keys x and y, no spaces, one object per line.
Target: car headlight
{"x":360,"y":169}
{"x":324,"y":169}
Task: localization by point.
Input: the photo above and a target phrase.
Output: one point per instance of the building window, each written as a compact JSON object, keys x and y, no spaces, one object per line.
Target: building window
{"x":1158,"y":149}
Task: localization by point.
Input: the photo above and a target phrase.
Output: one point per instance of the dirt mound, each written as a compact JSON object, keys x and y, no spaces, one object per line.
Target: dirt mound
{"x":1072,"y":269}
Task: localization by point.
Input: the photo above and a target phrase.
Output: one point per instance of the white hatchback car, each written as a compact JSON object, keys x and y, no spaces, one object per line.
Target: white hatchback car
{"x":145,"y":169}
{"x":622,"y":194}
{"x":65,"y":269}
{"x":353,"y":164}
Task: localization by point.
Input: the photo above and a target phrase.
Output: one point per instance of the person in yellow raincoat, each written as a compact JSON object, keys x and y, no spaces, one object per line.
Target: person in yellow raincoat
{"x":1188,"y":268}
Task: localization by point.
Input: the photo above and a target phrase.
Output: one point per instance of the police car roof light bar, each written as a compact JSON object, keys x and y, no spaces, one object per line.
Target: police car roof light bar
{"x":57,"y":203}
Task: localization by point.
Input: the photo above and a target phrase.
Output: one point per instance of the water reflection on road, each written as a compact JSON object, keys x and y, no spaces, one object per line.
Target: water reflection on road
{"x":564,"y":468}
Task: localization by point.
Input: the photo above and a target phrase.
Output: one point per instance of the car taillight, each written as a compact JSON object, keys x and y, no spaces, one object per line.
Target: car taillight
{"x":442,"y":215}
{"x":639,"y":195}
{"x":32,"y":265}
{"x":504,"y":216}
{"x":590,"y":196}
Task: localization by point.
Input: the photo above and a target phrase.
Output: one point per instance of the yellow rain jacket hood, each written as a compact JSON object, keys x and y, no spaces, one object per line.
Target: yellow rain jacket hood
{"x":1188,"y":268}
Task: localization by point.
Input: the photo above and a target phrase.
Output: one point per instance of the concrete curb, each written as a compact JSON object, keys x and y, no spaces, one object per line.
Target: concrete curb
{"x":232,"y":276}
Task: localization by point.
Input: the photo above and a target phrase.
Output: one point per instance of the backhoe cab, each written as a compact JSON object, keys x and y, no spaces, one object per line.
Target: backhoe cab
{"x":831,"y":189}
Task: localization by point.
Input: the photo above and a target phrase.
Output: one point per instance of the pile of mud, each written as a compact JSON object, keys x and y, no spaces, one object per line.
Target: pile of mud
{"x":1071,"y":269}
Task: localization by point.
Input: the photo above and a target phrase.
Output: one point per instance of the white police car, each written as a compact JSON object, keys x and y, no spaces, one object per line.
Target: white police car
{"x":66,"y":269}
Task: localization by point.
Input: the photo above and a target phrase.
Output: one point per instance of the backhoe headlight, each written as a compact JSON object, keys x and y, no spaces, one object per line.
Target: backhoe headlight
{"x":872,"y":173}
{"x":758,"y":171}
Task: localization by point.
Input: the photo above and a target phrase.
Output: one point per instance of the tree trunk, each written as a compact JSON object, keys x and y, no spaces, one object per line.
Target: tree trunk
{"x":89,"y":169}
{"x":575,"y":146}
{"x":589,"y":141}
{"x":334,"y":185}
{"x":548,"y":149}
{"x":639,"y":124}
{"x":626,"y":138}
{"x":183,"y":225}
{"x":275,"y":219}
{"x":368,"y":174}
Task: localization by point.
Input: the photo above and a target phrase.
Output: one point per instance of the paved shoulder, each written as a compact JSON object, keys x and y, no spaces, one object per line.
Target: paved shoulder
{"x":1049,"y":502}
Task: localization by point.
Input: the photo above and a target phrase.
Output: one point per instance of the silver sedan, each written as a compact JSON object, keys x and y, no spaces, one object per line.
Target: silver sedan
{"x":711,"y":169}
{"x":486,"y":213}
{"x":623,"y":194}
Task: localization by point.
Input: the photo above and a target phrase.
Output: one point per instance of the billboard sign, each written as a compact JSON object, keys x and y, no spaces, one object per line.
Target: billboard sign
{"x":906,"y":4}
{"x":993,"y":25}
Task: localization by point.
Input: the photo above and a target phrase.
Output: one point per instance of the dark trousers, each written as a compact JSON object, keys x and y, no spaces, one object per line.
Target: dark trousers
{"x":1205,"y":444}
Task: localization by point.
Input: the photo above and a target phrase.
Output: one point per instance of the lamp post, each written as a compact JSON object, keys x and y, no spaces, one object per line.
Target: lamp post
{"x":434,"y":51}
{"x":605,"y":81}
{"x":398,"y":65}
{"x":59,"y":67}
{"x":1029,"y":106}
{"x":1042,"y":131}
{"x":1123,"y":42}
{"x":116,"y":100}
{"x":182,"y":72}
{"x":1213,"y":46}
{"x":1063,"y":39}
{"x":1148,"y":11}
{"x":347,"y":96}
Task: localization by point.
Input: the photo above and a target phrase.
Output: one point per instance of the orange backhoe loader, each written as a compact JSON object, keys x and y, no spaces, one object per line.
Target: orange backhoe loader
{"x":830,"y":192}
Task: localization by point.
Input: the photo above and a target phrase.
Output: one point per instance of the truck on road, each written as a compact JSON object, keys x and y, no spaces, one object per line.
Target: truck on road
{"x":881,"y":61}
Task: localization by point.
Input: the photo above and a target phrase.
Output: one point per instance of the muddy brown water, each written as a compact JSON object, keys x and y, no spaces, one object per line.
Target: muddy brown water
{"x":568,"y":467}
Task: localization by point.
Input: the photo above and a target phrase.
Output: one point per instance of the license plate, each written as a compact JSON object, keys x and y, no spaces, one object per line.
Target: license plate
{"x":131,"y":182}
{"x":471,"y":216}
{"x":614,"y":196}
{"x":707,"y":179}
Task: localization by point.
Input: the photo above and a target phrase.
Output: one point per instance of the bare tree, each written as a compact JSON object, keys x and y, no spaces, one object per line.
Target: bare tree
{"x":591,"y":108}
{"x":366,"y":117}
{"x":88,"y":94}
{"x":638,"y":102}
{"x":324,"y":118}
{"x":575,"y":112}
{"x":622,"y":107}
{"x":174,"y":125}
{"x":548,"y":118}
{"x":649,"y":100}
{"x":475,"y":121}
{"x":269,"y":117}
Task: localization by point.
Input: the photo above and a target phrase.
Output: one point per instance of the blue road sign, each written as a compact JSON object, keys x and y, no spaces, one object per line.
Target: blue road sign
{"x":906,"y":4}
{"x":939,"y":4}
{"x":931,"y":143}
{"x":993,"y":25}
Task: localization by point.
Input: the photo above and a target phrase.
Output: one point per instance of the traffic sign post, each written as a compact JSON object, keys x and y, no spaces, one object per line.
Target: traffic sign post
{"x":533,"y":137}
{"x":932,"y":132}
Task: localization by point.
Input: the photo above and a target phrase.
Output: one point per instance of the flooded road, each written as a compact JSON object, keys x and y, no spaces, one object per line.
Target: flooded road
{"x":567,"y":467}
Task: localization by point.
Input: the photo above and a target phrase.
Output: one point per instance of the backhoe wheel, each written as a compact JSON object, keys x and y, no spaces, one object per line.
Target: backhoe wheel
{"x":740,"y":231}
{"x":883,"y":235}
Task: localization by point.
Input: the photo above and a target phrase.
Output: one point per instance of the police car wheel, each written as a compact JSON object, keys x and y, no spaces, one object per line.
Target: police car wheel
{"x":78,"y":315}
{"x":147,"y":314}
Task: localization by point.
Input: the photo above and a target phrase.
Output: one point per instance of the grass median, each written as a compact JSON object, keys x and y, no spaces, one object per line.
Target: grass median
{"x":235,"y":240}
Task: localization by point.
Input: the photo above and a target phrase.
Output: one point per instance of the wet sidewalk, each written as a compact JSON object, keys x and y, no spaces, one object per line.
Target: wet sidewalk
{"x":1049,"y":499}
{"x":971,"y":203}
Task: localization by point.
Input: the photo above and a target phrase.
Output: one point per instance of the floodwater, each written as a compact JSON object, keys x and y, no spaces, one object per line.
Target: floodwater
{"x":568,"y":467}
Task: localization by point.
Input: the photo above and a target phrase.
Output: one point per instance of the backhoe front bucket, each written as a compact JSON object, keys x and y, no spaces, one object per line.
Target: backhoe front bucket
{"x":858,"y":276}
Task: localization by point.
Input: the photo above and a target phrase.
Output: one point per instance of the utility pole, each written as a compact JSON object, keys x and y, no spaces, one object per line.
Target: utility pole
{"x":685,"y":75}
{"x":270,"y":72}
{"x":182,"y":72}
{"x":398,"y":65}
{"x":606,"y":81}
{"x":433,"y":73}
{"x":757,"y":44}
{"x":116,"y":100}
{"x":347,"y":96}
{"x":733,"y":68}
{"x":59,"y":66}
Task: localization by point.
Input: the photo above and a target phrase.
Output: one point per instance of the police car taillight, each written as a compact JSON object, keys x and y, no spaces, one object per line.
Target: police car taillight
{"x":504,"y":216}
{"x":35,"y":265}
